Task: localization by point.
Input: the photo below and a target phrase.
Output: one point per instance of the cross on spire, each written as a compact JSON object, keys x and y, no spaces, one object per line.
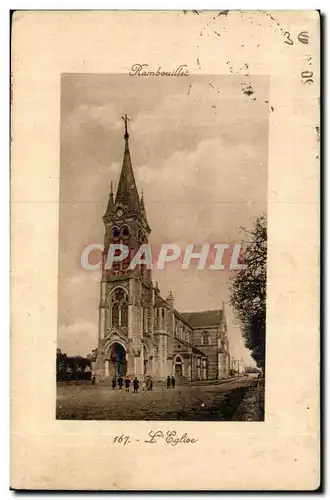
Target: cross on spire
{"x":126,"y":119}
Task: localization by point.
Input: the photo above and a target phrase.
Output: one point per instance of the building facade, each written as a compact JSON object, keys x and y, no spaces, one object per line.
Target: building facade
{"x":141,"y":333}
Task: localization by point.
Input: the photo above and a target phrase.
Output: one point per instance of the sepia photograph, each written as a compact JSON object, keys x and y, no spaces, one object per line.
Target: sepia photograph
{"x":162,"y":246}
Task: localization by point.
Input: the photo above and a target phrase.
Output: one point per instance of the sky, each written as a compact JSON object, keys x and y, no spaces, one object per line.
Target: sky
{"x":199,"y":149}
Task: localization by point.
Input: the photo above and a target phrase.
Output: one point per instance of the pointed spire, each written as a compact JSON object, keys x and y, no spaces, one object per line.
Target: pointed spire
{"x":127,"y":192}
{"x":111,"y":200}
{"x":143,"y":208}
{"x":111,"y":203}
{"x":170,"y":298}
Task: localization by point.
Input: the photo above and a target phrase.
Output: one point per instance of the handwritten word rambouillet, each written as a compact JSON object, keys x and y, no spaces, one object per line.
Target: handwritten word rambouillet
{"x":143,"y":70}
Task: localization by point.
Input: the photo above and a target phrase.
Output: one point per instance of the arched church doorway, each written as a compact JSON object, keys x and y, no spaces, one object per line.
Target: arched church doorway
{"x":178,"y":367}
{"x":118,"y":362}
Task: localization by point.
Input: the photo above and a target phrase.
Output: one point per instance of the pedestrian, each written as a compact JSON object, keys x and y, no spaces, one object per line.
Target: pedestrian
{"x":93,"y":378}
{"x":168,"y":382}
{"x":127,"y":384}
{"x":114,"y":383}
{"x":136,"y":384}
{"x":120,"y":382}
{"x":144,"y":385}
{"x":173,"y":382}
{"x":151,"y":385}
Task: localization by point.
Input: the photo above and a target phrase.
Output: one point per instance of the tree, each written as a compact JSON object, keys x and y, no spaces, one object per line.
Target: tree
{"x":248,"y":290}
{"x":72,"y":367}
{"x":61,"y":365}
{"x":252,"y":369}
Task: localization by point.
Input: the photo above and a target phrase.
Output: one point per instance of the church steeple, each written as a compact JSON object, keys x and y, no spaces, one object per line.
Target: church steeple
{"x":127,"y":202}
{"x":127,"y":194}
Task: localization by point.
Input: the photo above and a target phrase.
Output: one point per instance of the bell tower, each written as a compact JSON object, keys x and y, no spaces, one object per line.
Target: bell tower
{"x":125,"y":218}
{"x":125,"y":309}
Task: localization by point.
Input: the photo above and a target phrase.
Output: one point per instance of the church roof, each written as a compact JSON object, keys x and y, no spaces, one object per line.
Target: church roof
{"x":160,"y":302}
{"x":203,"y":318}
{"x":181,"y":317}
{"x":187,"y":344}
{"x":198,"y":351}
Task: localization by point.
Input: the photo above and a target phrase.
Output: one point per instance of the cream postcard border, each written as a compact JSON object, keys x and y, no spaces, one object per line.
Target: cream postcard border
{"x":283,"y":451}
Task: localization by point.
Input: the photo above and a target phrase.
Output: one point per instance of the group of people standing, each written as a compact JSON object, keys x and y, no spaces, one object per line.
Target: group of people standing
{"x":127,"y":383}
{"x":147,"y":383}
{"x":170,"y":382}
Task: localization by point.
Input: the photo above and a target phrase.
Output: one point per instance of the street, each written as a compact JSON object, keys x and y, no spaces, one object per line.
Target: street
{"x":200,"y":401}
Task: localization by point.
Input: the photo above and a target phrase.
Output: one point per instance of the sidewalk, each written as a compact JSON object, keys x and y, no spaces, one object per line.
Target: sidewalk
{"x":215,"y":381}
{"x":252,"y":406}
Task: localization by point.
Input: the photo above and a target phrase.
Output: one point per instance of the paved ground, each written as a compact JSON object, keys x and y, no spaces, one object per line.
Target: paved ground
{"x":203,"y":401}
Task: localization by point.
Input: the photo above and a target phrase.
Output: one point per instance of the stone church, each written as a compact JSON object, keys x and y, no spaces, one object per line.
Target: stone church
{"x":141,"y":333}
